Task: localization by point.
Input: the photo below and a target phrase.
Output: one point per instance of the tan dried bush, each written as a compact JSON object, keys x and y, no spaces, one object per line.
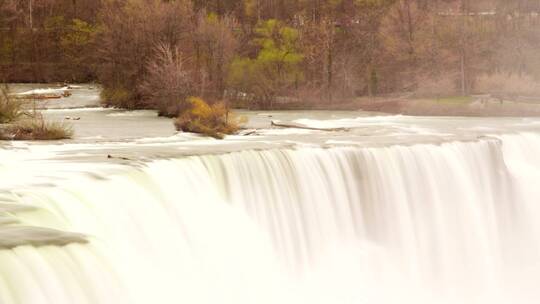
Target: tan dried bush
{"x":10,"y":108}
{"x":18,"y":124}
{"x":36,"y":129}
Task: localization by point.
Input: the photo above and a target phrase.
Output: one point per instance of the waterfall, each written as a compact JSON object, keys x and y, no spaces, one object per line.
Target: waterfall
{"x":456,"y":222}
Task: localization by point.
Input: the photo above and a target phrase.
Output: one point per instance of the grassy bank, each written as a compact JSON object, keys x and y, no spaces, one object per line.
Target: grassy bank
{"x":35,"y":129}
{"x":18,"y":123}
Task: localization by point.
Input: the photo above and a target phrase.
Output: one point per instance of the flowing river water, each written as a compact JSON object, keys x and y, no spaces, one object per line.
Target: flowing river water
{"x":394,"y":209}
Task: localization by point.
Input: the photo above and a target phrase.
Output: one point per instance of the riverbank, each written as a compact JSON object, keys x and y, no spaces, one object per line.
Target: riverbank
{"x":88,"y":95}
{"x":467,"y":106}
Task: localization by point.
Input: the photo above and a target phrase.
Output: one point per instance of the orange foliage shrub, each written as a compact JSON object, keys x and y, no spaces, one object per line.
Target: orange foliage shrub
{"x":211,"y":120}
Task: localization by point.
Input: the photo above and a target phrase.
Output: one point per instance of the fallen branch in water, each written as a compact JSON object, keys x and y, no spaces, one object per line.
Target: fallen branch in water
{"x":298,"y":126}
{"x":247,"y":132}
{"x":117,"y":157}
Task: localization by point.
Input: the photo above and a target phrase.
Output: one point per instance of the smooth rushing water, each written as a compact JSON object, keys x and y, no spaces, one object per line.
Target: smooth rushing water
{"x":456,"y":222}
{"x":394,"y":210}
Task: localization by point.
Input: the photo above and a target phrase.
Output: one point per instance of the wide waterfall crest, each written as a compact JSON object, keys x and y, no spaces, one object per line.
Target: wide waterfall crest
{"x":448,"y":223}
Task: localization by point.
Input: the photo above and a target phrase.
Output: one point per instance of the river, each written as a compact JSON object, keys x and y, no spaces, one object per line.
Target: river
{"x":391,"y":209}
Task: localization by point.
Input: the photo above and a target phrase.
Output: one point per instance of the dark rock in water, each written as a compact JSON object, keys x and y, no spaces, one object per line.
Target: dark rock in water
{"x":14,"y":236}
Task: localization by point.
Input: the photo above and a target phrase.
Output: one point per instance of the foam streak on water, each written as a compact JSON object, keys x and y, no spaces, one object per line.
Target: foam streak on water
{"x":450,"y":223}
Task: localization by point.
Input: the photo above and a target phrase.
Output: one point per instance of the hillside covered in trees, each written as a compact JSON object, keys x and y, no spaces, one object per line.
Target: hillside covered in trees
{"x":152,"y":53}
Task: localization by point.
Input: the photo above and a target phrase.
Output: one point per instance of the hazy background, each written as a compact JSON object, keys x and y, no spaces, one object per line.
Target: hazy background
{"x":263,"y":53}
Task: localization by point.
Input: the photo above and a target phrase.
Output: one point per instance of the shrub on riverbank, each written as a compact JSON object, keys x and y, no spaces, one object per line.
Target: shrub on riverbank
{"x":33,"y":127}
{"x":119,"y":98}
{"x":211,"y":120}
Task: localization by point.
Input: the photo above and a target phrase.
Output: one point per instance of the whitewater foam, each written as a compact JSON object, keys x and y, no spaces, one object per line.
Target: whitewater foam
{"x":454,"y":222}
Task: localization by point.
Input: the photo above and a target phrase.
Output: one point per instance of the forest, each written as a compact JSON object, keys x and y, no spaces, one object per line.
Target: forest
{"x":266,"y":53}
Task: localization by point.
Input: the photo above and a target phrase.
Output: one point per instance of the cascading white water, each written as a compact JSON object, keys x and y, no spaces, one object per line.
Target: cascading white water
{"x":449,"y":223}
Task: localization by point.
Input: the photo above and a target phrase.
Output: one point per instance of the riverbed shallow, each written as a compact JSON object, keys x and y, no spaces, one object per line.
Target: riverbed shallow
{"x":117,"y":135}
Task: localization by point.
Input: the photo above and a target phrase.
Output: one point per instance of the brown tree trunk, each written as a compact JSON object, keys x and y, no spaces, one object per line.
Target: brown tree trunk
{"x":330,"y":73}
{"x":463,"y":46}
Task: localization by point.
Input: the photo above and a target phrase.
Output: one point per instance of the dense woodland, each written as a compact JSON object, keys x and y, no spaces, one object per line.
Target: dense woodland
{"x":152,"y":53}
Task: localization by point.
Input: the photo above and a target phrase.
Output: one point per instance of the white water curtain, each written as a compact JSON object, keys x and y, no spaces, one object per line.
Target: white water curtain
{"x":450,"y":223}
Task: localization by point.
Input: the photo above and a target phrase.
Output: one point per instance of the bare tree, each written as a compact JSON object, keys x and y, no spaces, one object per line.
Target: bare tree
{"x":167,"y":84}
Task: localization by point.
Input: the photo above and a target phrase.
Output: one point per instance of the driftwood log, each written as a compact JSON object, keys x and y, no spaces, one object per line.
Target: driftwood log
{"x":117,"y":157}
{"x":298,"y":126}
